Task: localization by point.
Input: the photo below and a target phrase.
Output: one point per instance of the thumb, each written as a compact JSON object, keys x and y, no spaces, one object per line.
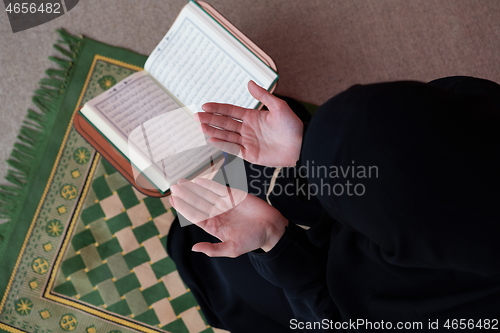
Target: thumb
{"x":272,"y":102}
{"x":222,"y":249}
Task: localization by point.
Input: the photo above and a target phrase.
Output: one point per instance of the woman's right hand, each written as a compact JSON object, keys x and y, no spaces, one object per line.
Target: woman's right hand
{"x":269,"y":138}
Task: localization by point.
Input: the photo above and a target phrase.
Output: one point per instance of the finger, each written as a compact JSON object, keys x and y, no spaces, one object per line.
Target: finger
{"x":228,"y":147}
{"x":202,"y":205}
{"x":200,"y":191}
{"x":188,"y":211}
{"x":237,"y":195}
{"x":223,"y":122}
{"x":219,"y":189}
{"x":272,"y":102}
{"x":225,"y":109}
{"x":221,"y":134}
{"x":203,"y":199}
{"x":224,"y":249}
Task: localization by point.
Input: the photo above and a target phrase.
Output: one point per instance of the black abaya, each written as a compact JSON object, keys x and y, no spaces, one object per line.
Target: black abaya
{"x":419,"y":244}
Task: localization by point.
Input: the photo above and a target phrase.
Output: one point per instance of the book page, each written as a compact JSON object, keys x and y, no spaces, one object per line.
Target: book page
{"x":175,"y":144}
{"x":171,"y":133}
{"x":187,"y":163}
{"x":149,"y":126}
{"x":132,"y":102}
{"x":197,"y":65}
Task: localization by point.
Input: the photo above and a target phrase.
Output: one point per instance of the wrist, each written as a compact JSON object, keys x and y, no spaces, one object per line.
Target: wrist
{"x":274,"y":234}
{"x":295,"y":154}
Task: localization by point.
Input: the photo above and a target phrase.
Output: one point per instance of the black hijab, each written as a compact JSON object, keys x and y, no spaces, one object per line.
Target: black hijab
{"x":427,"y":216}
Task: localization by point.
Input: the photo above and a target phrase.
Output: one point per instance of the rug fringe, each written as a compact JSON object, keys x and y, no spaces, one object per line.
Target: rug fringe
{"x":55,"y":73}
{"x":33,"y":134}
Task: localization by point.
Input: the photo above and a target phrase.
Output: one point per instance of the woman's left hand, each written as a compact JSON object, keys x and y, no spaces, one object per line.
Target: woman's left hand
{"x":241,"y":221}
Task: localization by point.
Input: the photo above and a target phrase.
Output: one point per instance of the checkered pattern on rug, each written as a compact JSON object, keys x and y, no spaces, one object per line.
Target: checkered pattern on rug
{"x":117,"y":258}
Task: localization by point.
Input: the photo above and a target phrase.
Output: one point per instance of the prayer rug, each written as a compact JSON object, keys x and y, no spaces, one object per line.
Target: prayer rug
{"x":82,"y":250}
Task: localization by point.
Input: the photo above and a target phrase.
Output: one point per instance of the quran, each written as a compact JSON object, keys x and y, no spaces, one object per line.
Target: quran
{"x":148,"y":117}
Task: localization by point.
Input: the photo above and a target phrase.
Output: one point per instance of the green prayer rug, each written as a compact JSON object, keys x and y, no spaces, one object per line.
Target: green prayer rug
{"x":83,"y":251}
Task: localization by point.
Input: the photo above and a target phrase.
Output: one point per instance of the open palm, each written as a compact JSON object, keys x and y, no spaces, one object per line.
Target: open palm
{"x":269,"y":138}
{"x":241,"y":221}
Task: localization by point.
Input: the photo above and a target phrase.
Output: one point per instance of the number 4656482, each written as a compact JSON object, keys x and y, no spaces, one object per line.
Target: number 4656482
{"x":27,"y":7}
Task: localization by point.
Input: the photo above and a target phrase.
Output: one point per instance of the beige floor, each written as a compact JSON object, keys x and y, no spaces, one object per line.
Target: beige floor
{"x":321,"y":47}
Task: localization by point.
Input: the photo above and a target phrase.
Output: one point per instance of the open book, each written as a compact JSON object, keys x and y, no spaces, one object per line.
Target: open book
{"x":147,"y":117}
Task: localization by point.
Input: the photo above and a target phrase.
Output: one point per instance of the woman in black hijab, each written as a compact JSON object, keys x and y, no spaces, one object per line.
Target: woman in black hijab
{"x":399,"y":184}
